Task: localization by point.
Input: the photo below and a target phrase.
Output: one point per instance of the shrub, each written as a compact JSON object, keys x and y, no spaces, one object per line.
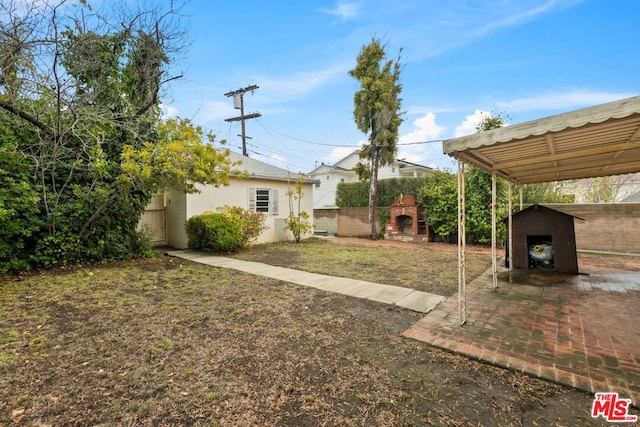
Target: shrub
{"x":20,"y":216}
{"x":356,"y":194}
{"x":252,"y":223}
{"x":214,"y":232}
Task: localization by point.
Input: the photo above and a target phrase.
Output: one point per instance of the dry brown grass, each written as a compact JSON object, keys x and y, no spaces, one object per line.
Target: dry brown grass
{"x":169,"y":342}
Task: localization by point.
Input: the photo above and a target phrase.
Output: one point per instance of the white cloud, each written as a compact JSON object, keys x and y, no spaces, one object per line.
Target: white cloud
{"x":340,"y":153}
{"x":300,"y":84}
{"x":521,"y":16}
{"x":424,"y":129}
{"x":463,"y":22}
{"x":212,"y":111}
{"x":168,"y":111}
{"x":468,"y":126}
{"x":337,"y":154}
{"x":344,"y":10}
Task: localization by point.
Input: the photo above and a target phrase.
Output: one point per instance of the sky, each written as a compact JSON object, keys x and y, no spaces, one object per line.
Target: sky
{"x":522,"y":59}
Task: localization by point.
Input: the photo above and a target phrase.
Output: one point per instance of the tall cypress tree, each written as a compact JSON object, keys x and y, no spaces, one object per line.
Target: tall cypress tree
{"x":377,"y":113}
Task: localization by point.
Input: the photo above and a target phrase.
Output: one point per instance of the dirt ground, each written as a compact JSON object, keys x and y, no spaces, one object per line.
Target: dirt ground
{"x":169,"y":342}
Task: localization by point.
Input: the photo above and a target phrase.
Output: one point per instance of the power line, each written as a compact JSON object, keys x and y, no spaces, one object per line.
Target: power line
{"x":339,"y":145}
{"x":420,"y":142}
{"x":280,"y":142}
{"x":303,"y":140}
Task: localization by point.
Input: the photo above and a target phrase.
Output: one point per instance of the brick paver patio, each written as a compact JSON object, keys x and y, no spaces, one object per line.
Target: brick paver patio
{"x":582,"y":331}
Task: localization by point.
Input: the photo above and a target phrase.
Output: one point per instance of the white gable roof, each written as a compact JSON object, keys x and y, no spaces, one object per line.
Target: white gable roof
{"x":349,"y":162}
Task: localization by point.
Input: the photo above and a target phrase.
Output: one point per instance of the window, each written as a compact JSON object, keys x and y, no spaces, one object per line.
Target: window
{"x":263,"y":200}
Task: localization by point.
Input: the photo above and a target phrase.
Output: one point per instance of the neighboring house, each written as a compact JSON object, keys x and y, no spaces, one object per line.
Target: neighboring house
{"x":264,"y":190}
{"x":633,"y":198}
{"x":625,"y":188}
{"x":328,"y":177}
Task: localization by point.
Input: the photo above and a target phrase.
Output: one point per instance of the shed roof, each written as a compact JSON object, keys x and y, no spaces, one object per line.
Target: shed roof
{"x":596,"y":141}
{"x":542,"y":209}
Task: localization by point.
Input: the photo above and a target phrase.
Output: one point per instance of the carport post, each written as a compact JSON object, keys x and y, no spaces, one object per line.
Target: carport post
{"x":510,"y":224}
{"x":494,"y":255}
{"x":462,"y":280}
{"x":521,"y":195}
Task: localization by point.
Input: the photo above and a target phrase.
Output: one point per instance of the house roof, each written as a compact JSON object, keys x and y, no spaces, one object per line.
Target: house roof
{"x":257,"y":169}
{"x":408,"y":165}
{"x":597,"y":141}
{"x":338,"y":166}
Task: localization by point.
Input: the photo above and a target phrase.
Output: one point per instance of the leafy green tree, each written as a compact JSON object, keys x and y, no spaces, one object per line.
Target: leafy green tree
{"x":479,"y":207}
{"x":377,"y":113}
{"x":439,"y":200}
{"x":545,"y":192}
{"x":478,"y":192}
{"x":80,"y":90}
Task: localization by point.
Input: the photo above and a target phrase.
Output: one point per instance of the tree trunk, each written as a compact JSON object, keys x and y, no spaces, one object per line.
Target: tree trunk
{"x":373,"y":188}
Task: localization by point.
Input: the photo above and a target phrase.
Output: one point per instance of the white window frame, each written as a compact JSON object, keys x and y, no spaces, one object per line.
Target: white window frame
{"x":271,"y":202}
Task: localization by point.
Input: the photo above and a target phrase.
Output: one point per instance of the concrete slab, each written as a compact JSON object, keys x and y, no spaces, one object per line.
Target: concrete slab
{"x":188,"y":254}
{"x":388,"y":294}
{"x":385,"y":293}
{"x":422,"y":302}
{"x":325,"y":283}
{"x":352,"y":288}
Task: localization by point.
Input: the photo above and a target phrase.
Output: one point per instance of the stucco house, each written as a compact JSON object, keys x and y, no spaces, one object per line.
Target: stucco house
{"x":264,"y":190}
{"x":328,"y":177}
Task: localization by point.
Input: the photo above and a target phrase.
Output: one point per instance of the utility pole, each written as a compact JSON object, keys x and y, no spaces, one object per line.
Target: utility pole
{"x":238,"y":104}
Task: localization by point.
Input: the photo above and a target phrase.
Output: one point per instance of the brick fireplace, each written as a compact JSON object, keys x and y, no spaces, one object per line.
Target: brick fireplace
{"x":406,"y":221}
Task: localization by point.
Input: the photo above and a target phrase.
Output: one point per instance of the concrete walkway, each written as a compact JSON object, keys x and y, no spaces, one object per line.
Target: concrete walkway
{"x":422,"y":302}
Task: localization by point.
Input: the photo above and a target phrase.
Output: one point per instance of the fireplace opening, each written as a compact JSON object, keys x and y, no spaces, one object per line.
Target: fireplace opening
{"x":404,"y":223}
{"x":540,"y":249}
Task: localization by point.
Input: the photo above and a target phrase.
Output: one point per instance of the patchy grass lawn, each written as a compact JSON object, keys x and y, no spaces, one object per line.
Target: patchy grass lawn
{"x":169,"y":342}
{"x":428,"y":267}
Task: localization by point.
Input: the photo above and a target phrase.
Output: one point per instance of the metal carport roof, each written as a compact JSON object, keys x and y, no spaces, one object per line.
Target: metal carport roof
{"x":596,"y":141}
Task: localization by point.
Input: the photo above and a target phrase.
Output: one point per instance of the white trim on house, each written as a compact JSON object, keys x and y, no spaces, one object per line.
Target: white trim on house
{"x":328,"y":177}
